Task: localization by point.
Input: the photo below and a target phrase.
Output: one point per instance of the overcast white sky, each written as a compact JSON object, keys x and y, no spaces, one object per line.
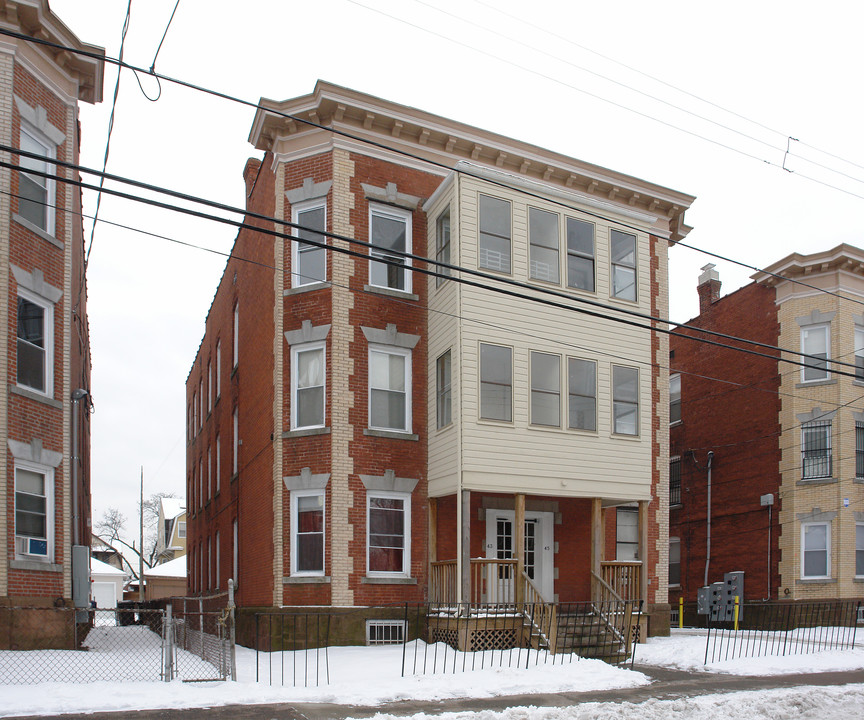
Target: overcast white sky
{"x":793,"y":67}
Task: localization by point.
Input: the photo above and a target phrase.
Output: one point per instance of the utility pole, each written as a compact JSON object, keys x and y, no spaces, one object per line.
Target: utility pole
{"x":141,"y":540}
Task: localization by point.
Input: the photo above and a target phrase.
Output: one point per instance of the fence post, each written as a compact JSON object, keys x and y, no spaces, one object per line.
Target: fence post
{"x":233,"y":634}
{"x":201,"y":626}
{"x":737,"y":610}
{"x":680,"y":612}
{"x":168,"y":645}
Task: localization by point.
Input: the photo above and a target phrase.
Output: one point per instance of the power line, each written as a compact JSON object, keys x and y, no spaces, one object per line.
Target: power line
{"x":341,"y":133}
{"x":414,"y":257}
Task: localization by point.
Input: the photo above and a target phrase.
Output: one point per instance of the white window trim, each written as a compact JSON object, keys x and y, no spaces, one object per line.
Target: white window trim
{"x":827,"y":551}
{"x":855,"y":559}
{"x":218,"y":560}
{"x":235,"y":567}
{"x":393,"y":213}
{"x":295,"y":495}
{"x":296,"y":209}
{"x":532,"y":245}
{"x":613,"y":265}
{"x":295,"y":351}
{"x":50,"y":182}
{"x":439,"y":246}
{"x":638,"y":403}
{"x":406,"y":353}
{"x":218,"y":465}
{"x":440,"y":391}
{"x":566,"y":403}
{"x":488,"y":266}
{"x":48,"y":472}
{"x":209,"y":387}
{"x":826,"y":328}
{"x":218,"y":369}
{"x":567,"y":253}
{"x":48,"y":330}
{"x":675,"y":540}
{"x":531,"y":390}
{"x":236,"y":333}
{"x":235,"y":460}
{"x":675,"y":377}
{"x":480,"y":416}
{"x":406,"y":553}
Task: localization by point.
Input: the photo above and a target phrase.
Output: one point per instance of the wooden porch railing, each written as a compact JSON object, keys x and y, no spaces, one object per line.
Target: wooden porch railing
{"x":492,"y":581}
{"x":443,"y":582}
{"x":624,"y":579}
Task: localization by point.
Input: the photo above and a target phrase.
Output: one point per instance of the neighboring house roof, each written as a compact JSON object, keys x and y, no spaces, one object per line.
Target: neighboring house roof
{"x":172,"y":507}
{"x":174,"y":568}
{"x":97,"y":567}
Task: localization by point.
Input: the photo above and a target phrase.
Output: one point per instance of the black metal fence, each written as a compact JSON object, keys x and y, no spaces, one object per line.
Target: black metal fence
{"x":785,"y":628}
{"x":292,"y":648}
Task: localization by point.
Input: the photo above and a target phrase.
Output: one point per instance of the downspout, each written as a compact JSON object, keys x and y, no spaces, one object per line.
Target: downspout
{"x":77,"y":396}
{"x":708,"y":543}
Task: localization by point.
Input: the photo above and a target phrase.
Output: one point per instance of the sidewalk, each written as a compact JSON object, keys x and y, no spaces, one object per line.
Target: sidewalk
{"x":667,"y":685}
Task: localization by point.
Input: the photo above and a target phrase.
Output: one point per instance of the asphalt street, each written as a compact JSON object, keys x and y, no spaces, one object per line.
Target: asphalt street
{"x":666,"y":685}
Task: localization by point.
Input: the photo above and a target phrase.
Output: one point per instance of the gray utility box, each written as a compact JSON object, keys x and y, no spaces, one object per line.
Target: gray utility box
{"x":717,"y":600}
{"x":734,"y":582}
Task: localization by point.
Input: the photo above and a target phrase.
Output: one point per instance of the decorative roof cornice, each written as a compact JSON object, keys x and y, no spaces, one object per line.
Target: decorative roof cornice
{"x":449,"y":142}
{"x":35,"y":18}
{"x":846,"y":258}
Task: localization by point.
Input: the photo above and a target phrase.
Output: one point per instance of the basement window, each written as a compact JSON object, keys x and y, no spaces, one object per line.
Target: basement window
{"x":385,"y":632}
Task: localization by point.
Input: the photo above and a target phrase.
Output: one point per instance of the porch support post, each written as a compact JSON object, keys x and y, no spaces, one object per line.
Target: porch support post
{"x":596,"y":545}
{"x":643,"y":550}
{"x":519,"y":521}
{"x":465,"y":556}
{"x":433,"y":529}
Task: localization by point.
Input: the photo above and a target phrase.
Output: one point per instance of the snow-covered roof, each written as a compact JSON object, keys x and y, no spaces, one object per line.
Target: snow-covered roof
{"x":174,"y":568}
{"x":172,"y":507}
{"x":97,"y":567}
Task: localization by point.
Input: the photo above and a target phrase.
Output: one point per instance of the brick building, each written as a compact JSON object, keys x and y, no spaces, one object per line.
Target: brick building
{"x":360,"y":433}
{"x":785,"y":443}
{"x":44,"y":413}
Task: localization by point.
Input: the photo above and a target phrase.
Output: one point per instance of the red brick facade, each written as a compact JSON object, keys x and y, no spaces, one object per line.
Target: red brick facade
{"x":739,"y":423}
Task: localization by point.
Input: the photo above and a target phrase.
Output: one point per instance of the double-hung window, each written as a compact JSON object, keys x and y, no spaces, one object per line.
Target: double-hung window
{"x":442,"y":245}
{"x":494,"y":245}
{"x":816,"y":449}
{"x":674,"y":398}
{"x":859,"y":550}
{"x":496,"y":382}
{"x":390,"y":235}
{"x":582,"y":394}
{"x":627,"y":534}
{"x":545,"y":389}
{"x":580,"y":254}
{"x":35,"y":343}
{"x":36,"y":192}
{"x":34,"y":512}
{"x":236,"y":348}
{"x":859,"y":353}
{"x":625,"y":400}
{"x":543,"y":241}
{"x":235,"y":452}
{"x":443,"y":382}
{"x":623,"y":247}
{"x":815,"y":343}
{"x":389,"y":533}
{"x":675,"y":481}
{"x":307,"y":522}
{"x":390,"y":389}
{"x":815,"y":550}
{"x":209,"y":387}
{"x":218,"y":368}
{"x":859,"y":449}
{"x":308,"y":261}
{"x":674,"y":561}
{"x":307,"y":386}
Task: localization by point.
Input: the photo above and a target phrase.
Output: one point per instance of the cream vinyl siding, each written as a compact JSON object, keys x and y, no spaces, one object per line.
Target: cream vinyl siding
{"x":554,"y":461}
{"x":444,"y":335}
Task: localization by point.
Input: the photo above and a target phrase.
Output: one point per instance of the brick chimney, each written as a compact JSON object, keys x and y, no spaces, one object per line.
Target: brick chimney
{"x":708,"y":288}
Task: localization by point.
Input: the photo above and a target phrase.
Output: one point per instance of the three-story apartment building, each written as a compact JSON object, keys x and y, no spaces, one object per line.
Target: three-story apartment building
{"x":361,"y":431}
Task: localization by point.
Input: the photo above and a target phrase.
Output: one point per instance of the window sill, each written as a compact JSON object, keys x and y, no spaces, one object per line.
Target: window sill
{"x":390,"y":434}
{"x":33,"y":395}
{"x":378,"y":580}
{"x":305,"y":432}
{"x":38,"y":231}
{"x":676,"y":423}
{"x":816,"y":581}
{"x":815,"y":383}
{"x":817,"y":481}
{"x":305,"y":288}
{"x":306,"y":580}
{"x":858,"y":580}
{"x":622,"y":436}
{"x":389,"y":292}
{"x":37,"y":565}
{"x":676,"y":506}
{"x":624,"y":300}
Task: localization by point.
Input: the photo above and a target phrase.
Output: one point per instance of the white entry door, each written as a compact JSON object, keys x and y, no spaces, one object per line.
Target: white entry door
{"x":500,"y":545}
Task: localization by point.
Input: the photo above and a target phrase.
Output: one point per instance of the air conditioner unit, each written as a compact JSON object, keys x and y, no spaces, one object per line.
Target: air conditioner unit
{"x":37,"y":547}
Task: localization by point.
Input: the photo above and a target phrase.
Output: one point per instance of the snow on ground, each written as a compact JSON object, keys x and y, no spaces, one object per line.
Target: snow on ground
{"x":372,"y":675}
{"x":802,"y":703}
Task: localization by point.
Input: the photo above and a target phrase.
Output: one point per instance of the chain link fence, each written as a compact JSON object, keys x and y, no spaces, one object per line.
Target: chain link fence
{"x":190,"y":639}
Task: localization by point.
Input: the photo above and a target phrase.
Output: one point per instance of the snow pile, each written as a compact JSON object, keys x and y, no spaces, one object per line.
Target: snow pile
{"x":803,"y":703}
